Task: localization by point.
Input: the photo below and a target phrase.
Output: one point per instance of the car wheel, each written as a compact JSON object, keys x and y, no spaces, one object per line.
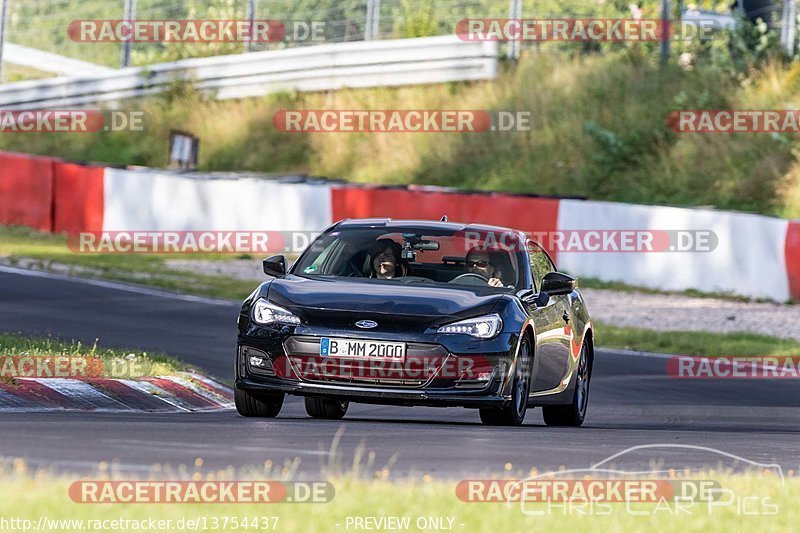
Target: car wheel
{"x":514,"y":413}
{"x":325,"y":408}
{"x":261,"y":405}
{"x":573,"y":414}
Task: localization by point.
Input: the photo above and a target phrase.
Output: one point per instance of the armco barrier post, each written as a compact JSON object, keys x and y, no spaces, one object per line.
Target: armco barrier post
{"x":514,"y":12}
{"x":125,"y":54}
{"x":665,"y":18}
{"x":371,"y":30}
{"x":789,"y":26}
{"x":252,"y":6}
{"x":3,"y":23}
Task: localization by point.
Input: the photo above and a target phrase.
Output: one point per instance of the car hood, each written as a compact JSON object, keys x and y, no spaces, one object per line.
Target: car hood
{"x":333,"y":302}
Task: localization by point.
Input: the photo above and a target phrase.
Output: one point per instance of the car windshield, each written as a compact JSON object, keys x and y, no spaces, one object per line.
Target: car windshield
{"x":414,"y":255}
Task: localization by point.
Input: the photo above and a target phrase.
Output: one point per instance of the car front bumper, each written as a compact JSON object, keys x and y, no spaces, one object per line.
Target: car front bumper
{"x":437,"y":391}
{"x":377,"y":395}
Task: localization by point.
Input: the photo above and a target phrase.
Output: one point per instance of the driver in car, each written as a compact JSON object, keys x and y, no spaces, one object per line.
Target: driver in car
{"x":386,"y":262}
{"x":479,"y":262}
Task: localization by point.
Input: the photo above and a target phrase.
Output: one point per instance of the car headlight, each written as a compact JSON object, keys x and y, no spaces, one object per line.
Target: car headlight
{"x":266,"y":313}
{"x":484,"y":327}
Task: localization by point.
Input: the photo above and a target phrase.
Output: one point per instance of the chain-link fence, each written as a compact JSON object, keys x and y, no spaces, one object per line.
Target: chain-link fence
{"x":42,"y":24}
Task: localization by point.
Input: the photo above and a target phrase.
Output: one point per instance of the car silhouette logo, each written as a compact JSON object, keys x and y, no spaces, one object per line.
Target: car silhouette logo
{"x":366,"y":324}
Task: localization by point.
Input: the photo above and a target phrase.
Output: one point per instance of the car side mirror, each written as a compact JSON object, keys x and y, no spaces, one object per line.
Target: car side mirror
{"x":275,"y":266}
{"x":556,"y":283}
{"x":525,"y":294}
{"x":530,"y":298}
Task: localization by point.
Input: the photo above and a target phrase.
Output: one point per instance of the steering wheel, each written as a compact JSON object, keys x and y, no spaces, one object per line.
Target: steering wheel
{"x":471,"y":278}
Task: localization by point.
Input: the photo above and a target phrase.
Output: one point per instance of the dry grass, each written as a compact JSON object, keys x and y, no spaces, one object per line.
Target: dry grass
{"x":599,"y":130}
{"x":770,"y":506}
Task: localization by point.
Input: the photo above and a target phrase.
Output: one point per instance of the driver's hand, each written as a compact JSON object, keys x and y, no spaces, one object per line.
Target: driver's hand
{"x":494,"y":282}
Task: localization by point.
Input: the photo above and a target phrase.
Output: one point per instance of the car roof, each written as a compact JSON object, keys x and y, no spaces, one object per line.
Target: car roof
{"x":390,"y":223}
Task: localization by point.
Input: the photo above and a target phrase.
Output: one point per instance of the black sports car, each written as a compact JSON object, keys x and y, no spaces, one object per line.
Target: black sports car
{"x":417,"y":313}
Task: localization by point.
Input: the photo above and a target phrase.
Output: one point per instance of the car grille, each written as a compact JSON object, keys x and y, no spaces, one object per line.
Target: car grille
{"x":422,"y":366}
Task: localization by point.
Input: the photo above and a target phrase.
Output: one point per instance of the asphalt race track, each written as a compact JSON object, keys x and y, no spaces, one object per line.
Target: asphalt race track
{"x":633,"y":403}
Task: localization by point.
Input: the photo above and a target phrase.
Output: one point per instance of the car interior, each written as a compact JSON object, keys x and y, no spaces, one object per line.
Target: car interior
{"x":432,"y":258}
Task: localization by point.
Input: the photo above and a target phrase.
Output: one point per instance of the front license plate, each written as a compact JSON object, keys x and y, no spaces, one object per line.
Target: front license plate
{"x":356,"y":349}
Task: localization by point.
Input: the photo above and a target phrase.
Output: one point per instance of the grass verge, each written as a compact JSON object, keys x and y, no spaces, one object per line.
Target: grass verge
{"x":698,"y":343}
{"x":770,"y":507}
{"x":101,"y":362}
{"x":42,"y":251}
{"x":600,"y":129}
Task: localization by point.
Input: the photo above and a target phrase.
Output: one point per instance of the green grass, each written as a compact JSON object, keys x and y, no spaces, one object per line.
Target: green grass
{"x":600,"y":131}
{"x":12,"y":72}
{"x":694,"y":342}
{"x":117,"y":363}
{"x":25,"y":247}
{"x":30,"y":496}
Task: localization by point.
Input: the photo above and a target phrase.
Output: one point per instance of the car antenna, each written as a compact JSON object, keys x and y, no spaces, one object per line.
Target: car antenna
{"x":443,"y":219}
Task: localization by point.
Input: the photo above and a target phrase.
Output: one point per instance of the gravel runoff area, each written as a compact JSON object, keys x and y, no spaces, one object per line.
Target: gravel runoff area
{"x":663,"y":312}
{"x":677,"y":312}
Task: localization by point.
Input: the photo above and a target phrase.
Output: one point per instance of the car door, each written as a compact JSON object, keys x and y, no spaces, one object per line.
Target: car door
{"x":552,"y":320}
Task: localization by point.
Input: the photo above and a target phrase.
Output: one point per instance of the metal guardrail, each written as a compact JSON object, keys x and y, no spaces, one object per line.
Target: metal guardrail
{"x":317,"y":68}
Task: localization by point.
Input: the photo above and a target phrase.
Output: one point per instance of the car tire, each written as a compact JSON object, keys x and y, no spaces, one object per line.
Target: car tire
{"x":326,"y":408}
{"x":573,"y":414}
{"x":513,"y":414}
{"x":258,"y":405}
